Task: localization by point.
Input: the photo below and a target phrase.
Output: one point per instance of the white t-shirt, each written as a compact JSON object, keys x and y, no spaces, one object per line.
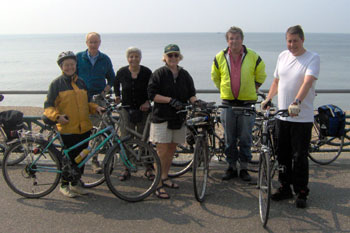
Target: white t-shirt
{"x":291,"y":70}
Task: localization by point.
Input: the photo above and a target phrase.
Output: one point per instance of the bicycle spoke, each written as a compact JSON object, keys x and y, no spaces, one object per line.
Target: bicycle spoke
{"x":35,"y":175}
{"x":143,"y":161}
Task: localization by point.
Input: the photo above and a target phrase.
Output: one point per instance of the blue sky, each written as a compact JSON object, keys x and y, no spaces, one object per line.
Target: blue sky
{"x":124,"y":16}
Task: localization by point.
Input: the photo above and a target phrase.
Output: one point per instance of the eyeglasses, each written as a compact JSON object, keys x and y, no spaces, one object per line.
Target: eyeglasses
{"x":176,"y":55}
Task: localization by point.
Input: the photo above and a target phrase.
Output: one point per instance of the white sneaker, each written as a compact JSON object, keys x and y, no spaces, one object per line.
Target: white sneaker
{"x":67,"y":192}
{"x":77,"y":189}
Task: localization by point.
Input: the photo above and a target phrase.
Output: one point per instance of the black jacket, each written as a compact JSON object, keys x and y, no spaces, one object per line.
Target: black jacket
{"x":134,"y":91}
{"x":162,"y":82}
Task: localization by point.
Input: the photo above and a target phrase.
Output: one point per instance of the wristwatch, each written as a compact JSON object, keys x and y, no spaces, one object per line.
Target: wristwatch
{"x":297,"y":101}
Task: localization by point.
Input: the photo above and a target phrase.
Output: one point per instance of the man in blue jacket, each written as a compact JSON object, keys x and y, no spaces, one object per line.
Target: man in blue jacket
{"x":96,"y":69}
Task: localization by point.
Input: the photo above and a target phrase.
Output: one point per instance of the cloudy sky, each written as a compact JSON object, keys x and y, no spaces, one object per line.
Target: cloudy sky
{"x":125,"y":16}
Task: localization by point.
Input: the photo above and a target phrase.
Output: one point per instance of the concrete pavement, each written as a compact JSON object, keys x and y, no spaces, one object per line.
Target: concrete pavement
{"x":229,"y":207}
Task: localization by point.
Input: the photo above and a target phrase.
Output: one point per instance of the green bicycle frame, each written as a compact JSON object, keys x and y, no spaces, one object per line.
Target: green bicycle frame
{"x":82,"y":163}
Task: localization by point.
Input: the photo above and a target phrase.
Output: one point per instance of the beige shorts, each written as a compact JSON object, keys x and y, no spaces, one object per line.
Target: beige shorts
{"x":160,"y":133}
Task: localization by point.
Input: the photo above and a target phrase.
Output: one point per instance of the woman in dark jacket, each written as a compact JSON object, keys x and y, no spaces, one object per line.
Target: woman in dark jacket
{"x":170,"y":87}
{"x":133,"y":79}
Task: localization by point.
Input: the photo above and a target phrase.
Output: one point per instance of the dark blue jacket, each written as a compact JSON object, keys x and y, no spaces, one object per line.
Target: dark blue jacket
{"x":95,"y":76}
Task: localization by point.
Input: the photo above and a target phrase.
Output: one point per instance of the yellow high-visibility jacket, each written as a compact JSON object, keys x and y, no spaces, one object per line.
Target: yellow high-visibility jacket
{"x":252,"y":73}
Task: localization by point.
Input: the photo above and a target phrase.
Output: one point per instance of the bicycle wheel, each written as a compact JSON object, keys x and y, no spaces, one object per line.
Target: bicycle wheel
{"x":256,"y":139}
{"x":183,"y":157}
{"x":3,"y":148}
{"x":2,"y":151}
{"x":37,"y":174}
{"x":264,"y":185}
{"x":182,"y":161}
{"x":90,"y":178}
{"x":324,"y":149}
{"x":139,"y":157}
{"x":200,"y":168}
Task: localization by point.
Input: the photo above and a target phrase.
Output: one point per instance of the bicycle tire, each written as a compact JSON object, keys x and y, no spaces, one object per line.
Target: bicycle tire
{"x":89,"y":178}
{"x":183,"y":157}
{"x":324,"y":150}
{"x":200,"y":168}
{"x":264,"y":184}
{"x":179,"y":170}
{"x":28,"y":179}
{"x":138,"y":186}
{"x":14,"y":161}
{"x":2,"y":151}
{"x":256,"y":141}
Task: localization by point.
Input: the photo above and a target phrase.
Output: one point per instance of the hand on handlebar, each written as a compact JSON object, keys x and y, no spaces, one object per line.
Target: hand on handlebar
{"x":178,"y":105}
{"x":100,"y":110}
{"x":200,"y":103}
{"x":266,"y":104}
{"x":145,"y":106}
{"x":117,"y":100}
{"x":63,"y":119}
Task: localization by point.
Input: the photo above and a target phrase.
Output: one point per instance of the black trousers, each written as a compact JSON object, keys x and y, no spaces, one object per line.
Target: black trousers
{"x":293,"y":139}
{"x":70,"y":140}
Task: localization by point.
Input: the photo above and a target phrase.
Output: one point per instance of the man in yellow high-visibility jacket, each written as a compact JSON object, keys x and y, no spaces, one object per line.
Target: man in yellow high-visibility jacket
{"x":237,"y":72}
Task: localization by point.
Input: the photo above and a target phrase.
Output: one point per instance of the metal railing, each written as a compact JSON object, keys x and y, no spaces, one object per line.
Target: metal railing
{"x":201,"y":91}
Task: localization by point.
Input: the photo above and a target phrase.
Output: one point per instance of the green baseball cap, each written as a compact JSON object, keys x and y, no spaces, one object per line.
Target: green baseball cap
{"x":171,"y":48}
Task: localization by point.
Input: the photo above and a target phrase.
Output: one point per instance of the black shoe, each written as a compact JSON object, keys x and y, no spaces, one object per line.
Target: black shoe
{"x":300,"y":202}
{"x":244,"y":175}
{"x":282,"y":194}
{"x":230,"y":174}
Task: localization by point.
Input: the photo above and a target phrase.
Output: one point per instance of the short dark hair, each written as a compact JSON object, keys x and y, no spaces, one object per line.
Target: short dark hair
{"x":296,"y":30}
{"x":234,"y":30}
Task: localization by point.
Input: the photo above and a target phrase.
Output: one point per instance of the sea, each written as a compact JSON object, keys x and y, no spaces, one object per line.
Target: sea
{"x":28,"y":62}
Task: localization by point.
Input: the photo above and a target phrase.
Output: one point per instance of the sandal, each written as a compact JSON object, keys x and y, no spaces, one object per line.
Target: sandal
{"x":125,"y":175}
{"x":171,"y":185}
{"x":149,"y":174}
{"x":161,"y":194}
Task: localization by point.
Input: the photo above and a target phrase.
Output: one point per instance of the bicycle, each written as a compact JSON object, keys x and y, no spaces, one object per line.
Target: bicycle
{"x":326,"y":149}
{"x":10,"y":122}
{"x":184,"y":155}
{"x":183,"y":158}
{"x":39,"y":173}
{"x":268,"y":163}
{"x":202,"y":122}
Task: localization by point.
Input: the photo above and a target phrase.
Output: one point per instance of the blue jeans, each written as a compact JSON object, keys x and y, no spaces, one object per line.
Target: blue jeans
{"x":238,"y":136}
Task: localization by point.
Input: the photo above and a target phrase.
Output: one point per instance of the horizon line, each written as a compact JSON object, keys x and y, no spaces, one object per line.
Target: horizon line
{"x":76,"y":33}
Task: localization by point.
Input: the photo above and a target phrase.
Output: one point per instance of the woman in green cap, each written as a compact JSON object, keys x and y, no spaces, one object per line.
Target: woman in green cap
{"x":170,"y":87}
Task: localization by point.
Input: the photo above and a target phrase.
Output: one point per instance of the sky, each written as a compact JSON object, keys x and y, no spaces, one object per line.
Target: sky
{"x":154,"y":16}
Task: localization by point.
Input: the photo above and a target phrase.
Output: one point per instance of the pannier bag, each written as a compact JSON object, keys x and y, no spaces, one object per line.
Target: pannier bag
{"x":332,"y":120}
{"x":11,"y":120}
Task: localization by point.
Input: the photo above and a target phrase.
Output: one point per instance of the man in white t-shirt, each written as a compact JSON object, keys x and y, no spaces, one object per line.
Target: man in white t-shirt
{"x":295,"y":77}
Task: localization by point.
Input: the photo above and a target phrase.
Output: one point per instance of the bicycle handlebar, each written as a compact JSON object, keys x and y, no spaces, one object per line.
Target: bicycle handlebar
{"x":269,"y":114}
